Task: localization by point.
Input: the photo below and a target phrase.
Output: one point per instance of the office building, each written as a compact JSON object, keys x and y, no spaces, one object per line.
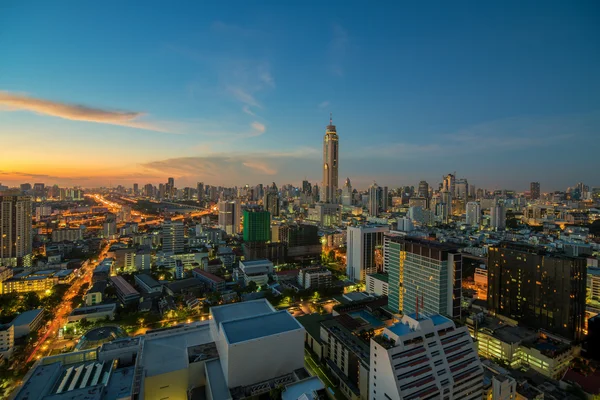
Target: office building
{"x":425,"y":357}
{"x":347,"y":193}
{"x":173,"y":237}
{"x":404,"y":224}
{"x":422,"y":271}
{"x":125,"y":292}
{"x":257,"y":271}
{"x":473,"y":214}
{"x":200,"y":191}
{"x":230,"y":213}
{"x":271,"y":200}
{"x":365,"y":243}
{"x":109,"y":227}
{"x":314,"y":278}
{"x":534,"y":190}
{"x":498,"y":215}
{"x":330,"y":165}
{"x":374,"y":199}
{"x":27,"y":322}
{"x":257,"y":225}
{"x":7,"y":341}
{"x":423,"y":190}
{"x":538,"y":289}
{"x":377,"y":284}
{"x":15,"y":231}
{"x":327,"y":215}
{"x":24,"y":282}
{"x":461,"y":189}
{"x":215,"y":283}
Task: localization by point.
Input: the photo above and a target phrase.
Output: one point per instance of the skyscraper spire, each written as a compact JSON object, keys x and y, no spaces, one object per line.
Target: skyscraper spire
{"x":330,"y":118}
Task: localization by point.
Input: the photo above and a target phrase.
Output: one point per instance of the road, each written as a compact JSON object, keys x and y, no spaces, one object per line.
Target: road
{"x":59,"y":315}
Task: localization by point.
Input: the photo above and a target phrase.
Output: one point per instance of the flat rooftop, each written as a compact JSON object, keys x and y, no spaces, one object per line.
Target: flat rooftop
{"x":380,"y":277}
{"x":254,"y":327}
{"x":27,"y":317}
{"x":120,"y":384}
{"x":218,"y":385}
{"x":123,"y":286}
{"x":244,"y":309}
{"x":40,"y":382}
{"x":297,"y":389}
{"x":400,"y":329}
{"x":148,"y":280}
{"x":255,"y":263}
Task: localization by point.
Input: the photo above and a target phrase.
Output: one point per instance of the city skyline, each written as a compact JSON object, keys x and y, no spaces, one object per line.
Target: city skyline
{"x":230,"y":95}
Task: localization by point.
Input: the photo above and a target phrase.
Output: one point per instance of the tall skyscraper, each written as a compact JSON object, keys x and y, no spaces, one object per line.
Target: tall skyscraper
{"x":384,"y":199}
{"x":449,"y":183}
{"x":229,"y":216}
{"x":425,"y":357}
{"x":15,"y":230}
{"x":374,"y":199}
{"x":173,"y":236}
{"x":534,"y":190}
{"x":136,"y":189}
{"x":473,"y":213}
{"x":365,"y":245}
{"x":461,"y":189}
{"x":271,"y":200}
{"x":423,"y":189}
{"x":347,"y":193}
{"x":330,"y":164}
{"x":428,"y":270}
{"x":538,"y":289}
{"x":200,"y":190}
{"x":498,"y":215}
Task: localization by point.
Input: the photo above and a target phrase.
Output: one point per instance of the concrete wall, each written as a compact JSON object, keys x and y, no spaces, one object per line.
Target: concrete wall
{"x":264,"y":358}
{"x":172,"y":385}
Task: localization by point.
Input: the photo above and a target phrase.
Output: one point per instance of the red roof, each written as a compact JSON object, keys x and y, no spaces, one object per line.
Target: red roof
{"x":287,"y":272}
{"x":208,"y":275}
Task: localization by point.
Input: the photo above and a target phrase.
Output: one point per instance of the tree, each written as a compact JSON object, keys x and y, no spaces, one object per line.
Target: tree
{"x":252,"y":286}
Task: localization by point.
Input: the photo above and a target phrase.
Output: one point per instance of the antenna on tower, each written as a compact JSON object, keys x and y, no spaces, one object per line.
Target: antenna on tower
{"x":330,"y":118}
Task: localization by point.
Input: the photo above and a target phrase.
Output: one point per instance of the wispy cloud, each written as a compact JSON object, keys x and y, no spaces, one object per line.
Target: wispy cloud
{"x":247,"y":110}
{"x":75,"y":112}
{"x":243,"y":96}
{"x":323,"y":105}
{"x":337,"y":49}
{"x":258,"y":127}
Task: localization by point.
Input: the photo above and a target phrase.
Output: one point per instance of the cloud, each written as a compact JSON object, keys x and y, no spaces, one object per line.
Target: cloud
{"x":257,"y":126}
{"x":247,"y":110}
{"x":243,"y":96}
{"x":260,"y":167}
{"x":337,"y":49}
{"x":19,"y":102}
{"x":323,"y":105}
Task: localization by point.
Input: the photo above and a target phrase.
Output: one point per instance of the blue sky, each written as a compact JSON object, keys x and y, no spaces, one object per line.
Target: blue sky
{"x":503,"y":93}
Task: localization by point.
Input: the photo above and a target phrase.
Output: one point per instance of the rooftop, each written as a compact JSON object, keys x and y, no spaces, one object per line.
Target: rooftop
{"x":123,"y":286}
{"x":245,"y":309}
{"x":218,"y":385}
{"x":254,"y":263}
{"x":380,"y":277}
{"x":297,"y":389}
{"x":148,"y":280}
{"x":254,"y":327}
{"x":208,"y":275}
{"x":312,"y":324}
{"x":27,"y":317}
{"x":40,"y":382}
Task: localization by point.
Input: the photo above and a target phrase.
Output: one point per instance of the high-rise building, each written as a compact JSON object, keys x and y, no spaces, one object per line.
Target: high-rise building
{"x":425,"y":357}
{"x":200,"y":190}
{"x":425,"y":270}
{"x":365,"y":249}
{"x":534,"y":190}
{"x":229,"y":216}
{"x":461,"y":189}
{"x":449,"y":183}
{"x":173,"y":236}
{"x":170,"y":188}
{"x":347,"y":193}
{"x":498,"y":215}
{"x":473,"y":214}
{"x":257,"y":225}
{"x":136,"y":189}
{"x":330,"y":164}
{"x":306,"y":187}
{"x":271,"y":201}
{"x":423,"y":189}
{"x":15,"y":230}
{"x":374,"y":199}
{"x":384,"y":199}
{"x":538,"y":289}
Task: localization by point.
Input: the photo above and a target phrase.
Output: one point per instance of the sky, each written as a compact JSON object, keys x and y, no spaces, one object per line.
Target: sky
{"x":239,"y":92}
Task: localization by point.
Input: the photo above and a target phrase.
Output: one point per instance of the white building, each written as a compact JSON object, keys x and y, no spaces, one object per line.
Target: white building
{"x":143,"y":260}
{"x":256,"y":271}
{"x":326,"y":214}
{"x":315,"y":277}
{"x":405,"y":224}
{"x":173,"y":237}
{"x":473,"y":213}
{"x":425,"y":357}
{"x":71,"y":235}
{"x":377,"y":284}
{"x":498,"y":216}
{"x":363,"y":242}
{"x":7,"y":341}
{"x":230,"y":214}
{"x":27,"y":322}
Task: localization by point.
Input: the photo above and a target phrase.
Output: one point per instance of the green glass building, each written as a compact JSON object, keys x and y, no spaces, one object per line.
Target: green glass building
{"x":257,"y":226}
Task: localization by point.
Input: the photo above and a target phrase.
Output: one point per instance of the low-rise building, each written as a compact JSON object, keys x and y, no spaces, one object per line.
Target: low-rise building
{"x":256,"y":271}
{"x":27,"y":322}
{"x":215,"y":283}
{"x":314,"y":278}
{"x":29,"y":282}
{"x":125,"y":292}
{"x":7,"y":340}
{"x":93,"y":313}
{"x":95,"y":295}
{"x":148,"y":284}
